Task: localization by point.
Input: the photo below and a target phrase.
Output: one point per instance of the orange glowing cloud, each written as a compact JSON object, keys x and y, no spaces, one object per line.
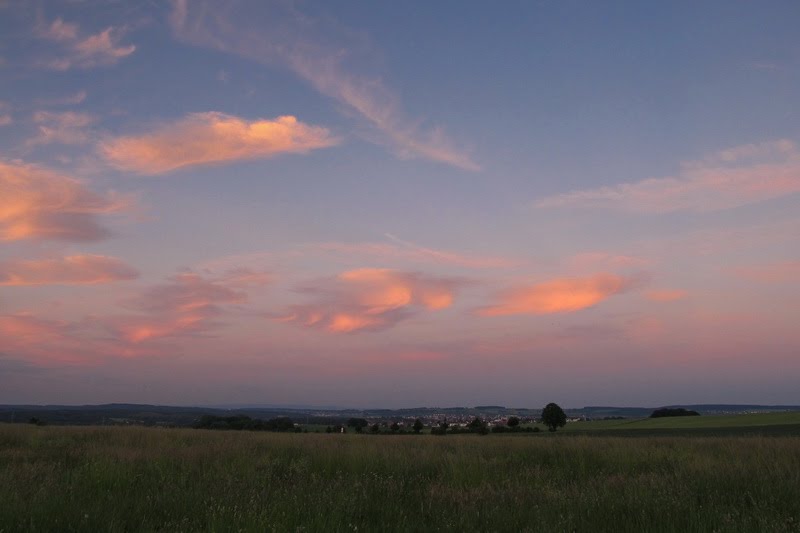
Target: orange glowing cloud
{"x":730,"y":178}
{"x":36,"y":203}
{"x":666,"y":295}
{"x":189,"y":303}
{"x":563,"y":295}
{"x":39,"y":340}
{"x":206,"y":138}
{"x":44,"y":342}
{"x":70,"y":270}
{"x":293,"y":40}
{"x":370,"y":299}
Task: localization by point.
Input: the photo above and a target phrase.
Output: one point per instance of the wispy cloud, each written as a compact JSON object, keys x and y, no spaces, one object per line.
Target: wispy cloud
{"x":561,"y":295}
{"x":67,"y":127}
{"x":70,"y":270}
{"x":205,"y":138}
{"x":776,"y":272}
{"x":36,"y":203}
{"x":400,"y":249}
{"x":666,"y":295}
{"x":594,"y":261}
{"x":283,"y":36}
{"x":370,"y":299}
{"x":5,"y":117}
{"x":44,"y":342}
{"x":84,"y":51}
{"x":730,"y":178}
{"x":187,"y":304}
{"x":69,"y":99}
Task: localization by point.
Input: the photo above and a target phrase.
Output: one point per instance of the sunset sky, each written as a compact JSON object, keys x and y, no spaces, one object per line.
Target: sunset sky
{"x":398,"y":204}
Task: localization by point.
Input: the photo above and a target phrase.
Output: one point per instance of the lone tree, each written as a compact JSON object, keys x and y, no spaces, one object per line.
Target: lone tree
{"x":512,"y":421}
{"x":357,"y":423}
{"x":553,"y":416}
{"x":418,"y":425}
{"x":395,"y":427}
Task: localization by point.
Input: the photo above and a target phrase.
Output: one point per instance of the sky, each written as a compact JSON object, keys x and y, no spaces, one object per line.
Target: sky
{"x":383,"y":204}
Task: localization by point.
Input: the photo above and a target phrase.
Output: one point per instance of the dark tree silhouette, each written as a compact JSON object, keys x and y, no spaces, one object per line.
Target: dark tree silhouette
{"x":676,"y":411}
{"x":512,"y":421}
{"x":357,"y":423}
{"x":553,"y":416}
{"x":418,"y":425}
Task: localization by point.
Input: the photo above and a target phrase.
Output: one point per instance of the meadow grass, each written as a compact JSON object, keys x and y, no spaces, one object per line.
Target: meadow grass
{"x":134,"y":478}
{"x":691,"y":422}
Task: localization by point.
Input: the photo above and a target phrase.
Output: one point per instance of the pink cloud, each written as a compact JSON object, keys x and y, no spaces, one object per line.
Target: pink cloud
{"x":561,"y":295}
{"x":46,"y":342}
{"x":731,"y":178}
{"x":408,"y":251}
{"x":777,"y":272}
{"x":295,"y":41}
{"x":666,"y":295}
{"x":205,"y":138}
{"x":371,"y":299}
{"x":595,"y":261}
{"x":70,"y":270}
{"x":36,"y":203}
{"x":187,"y":304}
{"x":100,"y":49}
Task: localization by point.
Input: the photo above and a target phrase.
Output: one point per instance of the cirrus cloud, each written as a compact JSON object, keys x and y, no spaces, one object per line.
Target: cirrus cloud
{"x":212,"y":137}
{"x":280,"y":35}
{"x":70,"y":270}
{"x":100,"y":49}
{"x":187,"y":304}
{"x":726,"y":179}
{"x":37,"y":203}
{"x":666,"y":295}
{"x":775,"y":272}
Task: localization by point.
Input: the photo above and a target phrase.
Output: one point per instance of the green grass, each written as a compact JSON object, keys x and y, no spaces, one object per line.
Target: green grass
{"x":133,"y":478}
{"x":783,"y":423}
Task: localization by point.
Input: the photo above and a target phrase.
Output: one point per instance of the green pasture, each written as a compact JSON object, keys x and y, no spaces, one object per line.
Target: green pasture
{"x":155,"y":479}
{"x":769,"y":423}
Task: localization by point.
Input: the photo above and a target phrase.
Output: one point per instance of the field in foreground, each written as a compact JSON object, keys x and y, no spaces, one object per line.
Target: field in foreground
{"x":778,"y":423}
{"x":132,"y":478}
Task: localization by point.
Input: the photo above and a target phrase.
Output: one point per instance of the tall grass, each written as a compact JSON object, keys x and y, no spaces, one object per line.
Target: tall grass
{"x":130,"y":479}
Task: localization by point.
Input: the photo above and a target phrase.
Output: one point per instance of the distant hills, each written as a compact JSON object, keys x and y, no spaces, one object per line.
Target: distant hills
{"x":143,"y":414}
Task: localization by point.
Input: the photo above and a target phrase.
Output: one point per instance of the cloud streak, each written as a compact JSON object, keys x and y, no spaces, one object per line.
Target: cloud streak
{"x":561,"y":295}
{"x":666,"y":295}
{"x":290,"y":39}
{"x":187,"y":304}
{"x":88,"y":51}
{"x":70,"y":270}
{"x":36,"y":203}
{"x":206,"y":138}
{"x":370,"y":299}
{"x":727,"y":179}
{"x":67,"y":127}
{"x":777,"y":272}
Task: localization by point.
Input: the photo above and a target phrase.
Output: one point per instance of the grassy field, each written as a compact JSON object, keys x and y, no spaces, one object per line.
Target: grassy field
{"x":133,"y":478}
{"x":764,"y":423}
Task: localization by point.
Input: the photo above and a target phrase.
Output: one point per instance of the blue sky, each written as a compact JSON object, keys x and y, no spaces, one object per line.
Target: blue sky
{"x":394,"y":204}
